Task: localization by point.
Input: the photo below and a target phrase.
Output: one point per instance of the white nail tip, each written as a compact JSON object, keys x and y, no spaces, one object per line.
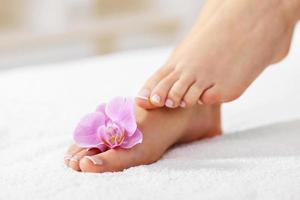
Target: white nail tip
{"x":75,"y":159}
{"x":144,"y":93}
{"x":67,"y":157}
{"x":94,"y":160}
{"x":141,"y":97}
{"x":155,"y":98}
{"x":169,"y":103}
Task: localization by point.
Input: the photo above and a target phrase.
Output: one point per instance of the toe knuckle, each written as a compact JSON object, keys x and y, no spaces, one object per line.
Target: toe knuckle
{"x":175,"y":95}
{"x":176,"y":73}
{"x":169,"y":65}
{"x":201,"y":85}
{"x":150,"y":83}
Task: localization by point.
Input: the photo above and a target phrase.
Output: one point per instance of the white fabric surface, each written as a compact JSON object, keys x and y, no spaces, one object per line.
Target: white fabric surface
{"x":39,"y":107}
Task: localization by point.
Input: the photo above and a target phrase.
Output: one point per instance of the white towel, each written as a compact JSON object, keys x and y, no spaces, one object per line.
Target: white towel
{"x":40,"y":106}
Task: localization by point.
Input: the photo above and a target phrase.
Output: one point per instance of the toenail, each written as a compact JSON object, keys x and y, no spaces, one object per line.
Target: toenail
{"x":155,"y":98}
{"x":95,"y":161}
{"x":182,"y":104}
{"x":143,"y":94}
{"x":169,"y":103}
{"x":67,"y":157}
{"x":200,"y":102}
{"x":75,"y":159}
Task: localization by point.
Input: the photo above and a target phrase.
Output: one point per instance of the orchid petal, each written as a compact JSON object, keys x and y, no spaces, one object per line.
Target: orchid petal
{"x":103,"y":136}
{"x":101,"y":108}
{"x":136,"y":138}
{"x":102,"y":147}
{"x":85,"y":134}
{"x":121,"y":111}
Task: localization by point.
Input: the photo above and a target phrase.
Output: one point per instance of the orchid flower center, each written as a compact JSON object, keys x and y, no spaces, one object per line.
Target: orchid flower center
{"x":113,"y":135}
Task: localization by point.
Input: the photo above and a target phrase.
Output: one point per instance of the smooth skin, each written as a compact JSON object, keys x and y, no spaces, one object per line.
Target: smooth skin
{"x":230,"y":45}
{"x":161,"y":128}
{"x":232,"y":42}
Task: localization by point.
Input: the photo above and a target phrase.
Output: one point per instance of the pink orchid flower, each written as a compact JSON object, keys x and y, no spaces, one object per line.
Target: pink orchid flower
{"x":111,"y":125}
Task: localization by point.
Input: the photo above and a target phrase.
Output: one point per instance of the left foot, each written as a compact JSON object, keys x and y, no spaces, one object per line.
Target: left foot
{"x":161,"y":129}
{"x":228,"y":47}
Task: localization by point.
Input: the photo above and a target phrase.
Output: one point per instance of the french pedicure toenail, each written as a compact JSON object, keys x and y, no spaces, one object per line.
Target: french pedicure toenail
{"x":155,"y":99}
{"x":143,"y":94}
{"x":200,"y":102}
{"x":182,"y":104}
{"x":75,"y":159}
{"x":68,"y":157}
{"x":169,"y":103}
{"x":95,"y":161}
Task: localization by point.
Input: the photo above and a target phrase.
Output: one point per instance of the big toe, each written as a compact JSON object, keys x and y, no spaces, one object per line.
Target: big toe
{"x":73,"y":149}
{"x":116,"y":160}
{"x":74,"y":161}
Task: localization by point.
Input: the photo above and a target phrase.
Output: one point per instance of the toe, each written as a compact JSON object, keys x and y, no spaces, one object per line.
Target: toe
{"x":144,"y":103}
{"x":73,"y":149}
{"x":160,"y":92}
{"x":177,"y":92}
{"x":193,"y":94}
{"x":74,"y":161}
{"x":115,"y":160}
{"x":143,"y":96}
{"x":211,"y":96}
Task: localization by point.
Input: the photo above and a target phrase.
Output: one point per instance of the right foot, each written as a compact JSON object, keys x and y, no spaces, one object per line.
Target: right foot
{"x":161,"y":129}
{"x":229,"y":46}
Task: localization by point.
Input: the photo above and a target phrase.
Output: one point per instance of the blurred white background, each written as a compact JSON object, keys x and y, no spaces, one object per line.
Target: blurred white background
{"x":41,"y":31}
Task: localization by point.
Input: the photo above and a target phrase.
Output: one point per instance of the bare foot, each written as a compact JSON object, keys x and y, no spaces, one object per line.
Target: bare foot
{"x":161,"y":129}
{"x":229,"y":46}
